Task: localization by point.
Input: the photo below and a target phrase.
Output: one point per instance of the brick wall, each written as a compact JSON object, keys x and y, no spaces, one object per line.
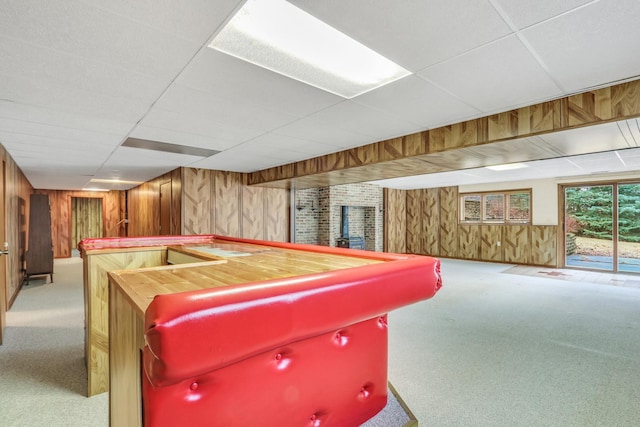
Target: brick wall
{"x":318,"y":214}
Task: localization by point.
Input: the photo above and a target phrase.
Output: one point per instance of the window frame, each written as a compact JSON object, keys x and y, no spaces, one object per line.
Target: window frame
{"x":506,"y":207}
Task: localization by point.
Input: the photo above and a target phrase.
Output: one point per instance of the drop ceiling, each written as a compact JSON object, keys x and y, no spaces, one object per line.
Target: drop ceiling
{"x":78,"y":78}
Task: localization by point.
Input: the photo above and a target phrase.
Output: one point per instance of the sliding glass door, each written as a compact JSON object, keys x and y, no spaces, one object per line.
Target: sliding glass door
{"x":629,"y":228}
{"x":602,"y":227}
{"x":589,"y":224}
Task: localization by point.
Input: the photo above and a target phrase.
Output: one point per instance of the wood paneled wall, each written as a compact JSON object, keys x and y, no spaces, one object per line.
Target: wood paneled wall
{"x":426,"y":222}
{"x":16,"y":213}
{"x":448,"y":147}
{"x":143,"y":208}
{"x":221,"y":203}
{"x":61,"y":212}
{"x":395,"y":216}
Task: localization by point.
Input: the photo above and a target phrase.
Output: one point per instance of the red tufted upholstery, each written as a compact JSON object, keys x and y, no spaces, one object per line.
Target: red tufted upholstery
{"x":303,"y":351}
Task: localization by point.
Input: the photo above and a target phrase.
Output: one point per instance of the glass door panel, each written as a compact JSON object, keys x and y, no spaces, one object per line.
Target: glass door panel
{"x":589,"y":227}
{"x":629,"y":228}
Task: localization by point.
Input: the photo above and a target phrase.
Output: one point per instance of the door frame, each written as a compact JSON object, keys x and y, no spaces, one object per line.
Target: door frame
{"x":4,"y":277}
{"x":70,"y":210}
{"x":562,"y":262}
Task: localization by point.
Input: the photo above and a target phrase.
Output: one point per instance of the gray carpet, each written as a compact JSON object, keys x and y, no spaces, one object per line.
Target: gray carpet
{"x":495,"y":349}
{"x":491,"y":349}
{"x":42,"y":373}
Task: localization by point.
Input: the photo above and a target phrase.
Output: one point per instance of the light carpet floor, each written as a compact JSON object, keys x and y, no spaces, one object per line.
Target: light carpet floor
{"x":491,"y":349}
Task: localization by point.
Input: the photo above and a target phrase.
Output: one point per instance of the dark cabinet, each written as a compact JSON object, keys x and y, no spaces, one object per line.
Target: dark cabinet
{"x":39,"y":256}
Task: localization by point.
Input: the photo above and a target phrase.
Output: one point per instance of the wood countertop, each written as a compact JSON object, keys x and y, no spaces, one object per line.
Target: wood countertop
{"x":228,"y":263}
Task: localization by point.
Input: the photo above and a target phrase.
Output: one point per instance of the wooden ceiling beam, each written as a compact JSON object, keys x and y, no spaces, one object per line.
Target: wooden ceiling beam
{"x":472,"y":143}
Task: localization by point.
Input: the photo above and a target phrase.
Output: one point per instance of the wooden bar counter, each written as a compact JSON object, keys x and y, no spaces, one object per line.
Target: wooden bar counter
{"x":230,"y":262}
{"x":219,"y":262}
{"x":99,"y":257}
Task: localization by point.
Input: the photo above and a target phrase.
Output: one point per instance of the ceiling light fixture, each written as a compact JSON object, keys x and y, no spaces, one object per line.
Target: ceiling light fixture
{"x":276,"y":35}
{"x":114,"y":181}
{"x":96,"y":189}
{"x":507,"y":167}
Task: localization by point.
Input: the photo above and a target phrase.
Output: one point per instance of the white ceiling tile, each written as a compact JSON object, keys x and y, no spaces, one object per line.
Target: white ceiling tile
{"x":523,"y":13}
{"x":128,"y":156}
{"x":310,"y":128}
{"x":357,"y":118}
{"x":57,"y":118}
{"x":135,"y":164}
{"x":77,"y":77}
{"x":10,"y":129}
{"x":417,"y":101}
{"x":414,"y":34}
{"x":225,"y":135}
{"x":46,"y":148}
{"x":591,"y":139}
{"x":77,"y":73}
{"x":80,"y":29}
{"x":233,"y":112}
{"x":237,"y":162}
{"x":189,"y":139}
{"x":590,"y":46}
{"x":40,"y":179}
{"x":255,"y":149}
{"x":496,"y":77}
{"x":195,"y":21}
{"x":43,"y":94}
{"x":224,"y":76}
{"x":51,"y":166}
{"x":278,"y":142}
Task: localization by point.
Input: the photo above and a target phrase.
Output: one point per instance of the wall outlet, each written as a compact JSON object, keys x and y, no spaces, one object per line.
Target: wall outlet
{"x":498,"y":243}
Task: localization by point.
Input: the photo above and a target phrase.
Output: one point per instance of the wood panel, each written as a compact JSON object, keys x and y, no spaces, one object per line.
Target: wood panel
{"x":449,"y":222}
{"x":226,"y":203}
{"x":86,"y":219}
{"x":544,"y":245}
{"x":176,"y":201}
{"x":625,"y":100}
{"x":430,"y":233}
{"x":221,"y":203}
{"x":397,"y":157}
{"x":144,"y":209}
{"x":197,"y":193}
{"x":414,"y":221}
{"x":517,"y":243}
{"x":253,"y":212}
{"x":62,"y":211}
{"x":96,"y":291}
{"x":469,"y":239}
{"x":491,"y":245}
{"x":17,"y":193}
{"x":395,"y":209}
{"x":127,"y":339}
{"x":276,"y":214}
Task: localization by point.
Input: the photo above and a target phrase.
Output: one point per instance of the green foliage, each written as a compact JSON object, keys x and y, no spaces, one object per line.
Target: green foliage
{"x":590,"y":209}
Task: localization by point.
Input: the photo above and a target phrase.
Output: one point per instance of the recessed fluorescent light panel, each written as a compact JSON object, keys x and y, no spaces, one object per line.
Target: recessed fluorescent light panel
{"x":507,"y":167}
{"x":276,"y":35}
{"x":114,"y":181}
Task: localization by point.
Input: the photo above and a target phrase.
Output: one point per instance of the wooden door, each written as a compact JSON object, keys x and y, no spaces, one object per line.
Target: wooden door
{"x":86,"y":219}
{"x":3,"y":259}
{"x":165,"y":208}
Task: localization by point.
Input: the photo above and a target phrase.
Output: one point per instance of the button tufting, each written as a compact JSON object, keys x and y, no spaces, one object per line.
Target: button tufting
{"x":340,"y":338}
{"x":194,"y":386}
{"x":382,"y":321}
{"x":365,"y":392}
{"x":315,"y":420}
{"x":279,"y":356}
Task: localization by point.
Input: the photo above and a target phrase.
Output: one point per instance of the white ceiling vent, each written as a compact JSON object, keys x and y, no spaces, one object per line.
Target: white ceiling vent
{"x":146,"y":144}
